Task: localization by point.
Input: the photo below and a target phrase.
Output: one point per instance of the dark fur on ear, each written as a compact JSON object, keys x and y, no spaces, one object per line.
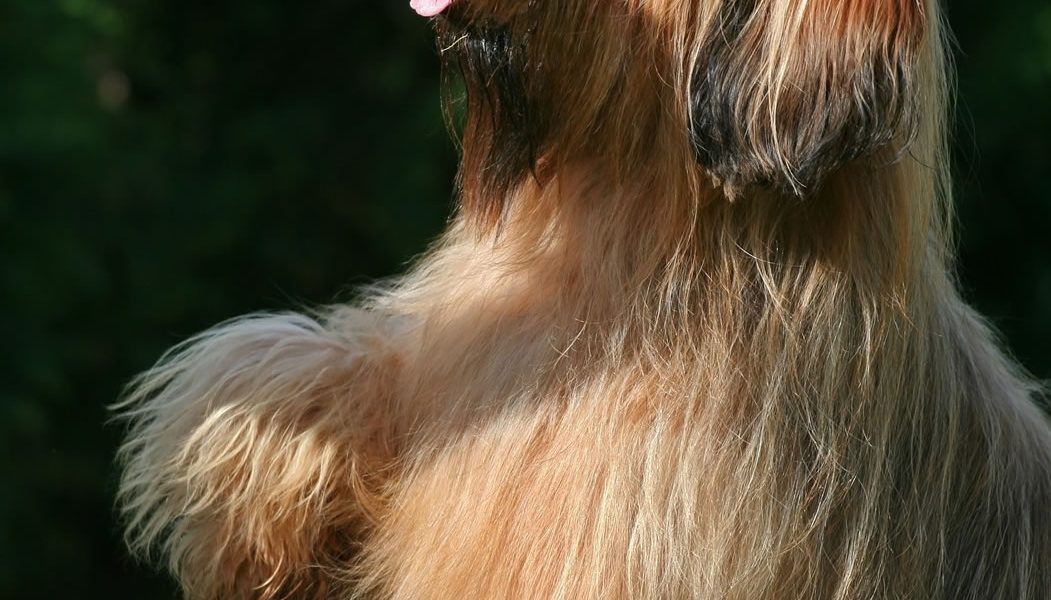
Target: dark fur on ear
{"x":504,"y":128}
{"x":785,"y":92}
{"x":553,"y":83}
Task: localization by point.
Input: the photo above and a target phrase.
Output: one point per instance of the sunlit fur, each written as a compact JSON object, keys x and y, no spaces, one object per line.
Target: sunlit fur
{"x":693,"y":333}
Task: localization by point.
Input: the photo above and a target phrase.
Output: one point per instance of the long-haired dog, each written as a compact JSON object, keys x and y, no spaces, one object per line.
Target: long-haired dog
{"x":693,"y":333}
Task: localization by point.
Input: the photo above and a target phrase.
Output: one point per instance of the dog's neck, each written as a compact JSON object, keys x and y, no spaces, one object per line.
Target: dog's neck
{"x":674,"y":237}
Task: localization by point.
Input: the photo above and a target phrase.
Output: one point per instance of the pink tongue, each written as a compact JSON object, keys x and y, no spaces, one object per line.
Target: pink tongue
{"x":429,"y":8}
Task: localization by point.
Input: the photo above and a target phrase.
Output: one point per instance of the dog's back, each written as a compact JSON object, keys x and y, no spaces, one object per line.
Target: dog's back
{"x":823,"y":452}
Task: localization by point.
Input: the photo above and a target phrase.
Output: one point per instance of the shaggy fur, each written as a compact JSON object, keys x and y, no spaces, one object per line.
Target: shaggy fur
{"x":693,"y":334}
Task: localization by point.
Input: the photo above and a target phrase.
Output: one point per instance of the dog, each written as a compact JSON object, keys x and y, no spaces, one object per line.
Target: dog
{"x":693,"y":332}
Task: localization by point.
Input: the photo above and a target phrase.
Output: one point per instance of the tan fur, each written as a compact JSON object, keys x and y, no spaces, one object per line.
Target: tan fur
{"x":612,"y":381}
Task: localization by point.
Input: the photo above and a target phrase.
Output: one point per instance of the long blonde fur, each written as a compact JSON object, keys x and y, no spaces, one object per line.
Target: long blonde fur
{"x":629,"y":375}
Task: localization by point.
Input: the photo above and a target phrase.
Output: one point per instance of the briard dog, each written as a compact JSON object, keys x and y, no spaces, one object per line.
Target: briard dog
{"x":692,"y":333}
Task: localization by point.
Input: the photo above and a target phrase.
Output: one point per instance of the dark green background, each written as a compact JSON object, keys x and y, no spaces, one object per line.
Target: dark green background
{"x":168,"y":164}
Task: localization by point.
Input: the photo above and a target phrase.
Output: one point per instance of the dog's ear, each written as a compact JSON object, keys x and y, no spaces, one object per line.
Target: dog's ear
{"x":785,"y":91}
{"x":487,"y":62}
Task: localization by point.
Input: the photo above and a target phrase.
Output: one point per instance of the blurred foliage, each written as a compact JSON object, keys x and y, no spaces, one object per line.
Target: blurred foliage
{"x":165,"y":165}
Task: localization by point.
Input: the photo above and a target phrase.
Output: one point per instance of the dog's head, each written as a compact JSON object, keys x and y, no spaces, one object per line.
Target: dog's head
{"x":775,"y":94}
